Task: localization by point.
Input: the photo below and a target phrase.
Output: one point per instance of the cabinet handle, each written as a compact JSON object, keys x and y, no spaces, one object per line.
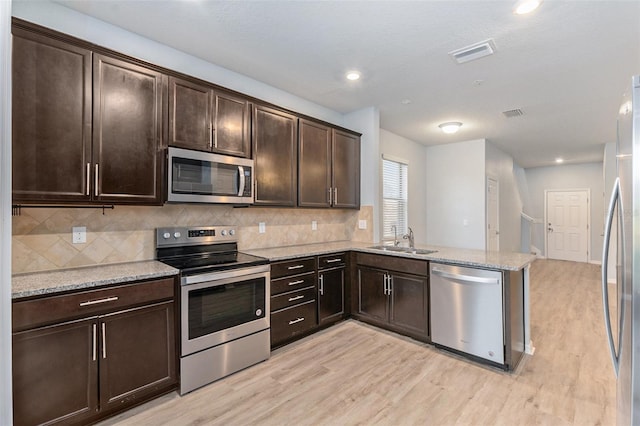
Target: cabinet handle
{"x":390,"y":286}
{"x":330,"y":196}
{"x":95,"y":190}
{"x":334,"y":260}
{"x":210,"y":136}
{"x":97,"y":301}
{"x":296,"y":282}
{"x":104,"y":341}
{"x":297,"y":320}
{"x":88,"y":177}
{"x":384,"y":284}
{"x":95,"y":341}
{"x":295,"y":267}
{"x":335,"y":195}
{"x":321,"y":285}
{"x":291,"y":299}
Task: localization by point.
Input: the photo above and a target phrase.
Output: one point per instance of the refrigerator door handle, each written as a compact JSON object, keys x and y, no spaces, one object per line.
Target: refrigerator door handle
{"x":615,"y":354}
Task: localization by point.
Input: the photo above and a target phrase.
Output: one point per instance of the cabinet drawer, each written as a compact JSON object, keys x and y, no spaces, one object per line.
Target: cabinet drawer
{"x":48,"y":310}
{"x":293,"y":267}
{"x":283,"y":285}
{"x":290,"y":322}
{"x":393,"y":263}
{"x":285,"y":300}
{"x":332,"y":260}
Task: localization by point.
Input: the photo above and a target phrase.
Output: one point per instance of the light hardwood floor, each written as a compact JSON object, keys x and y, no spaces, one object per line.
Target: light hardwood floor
{"x":355,"y":374}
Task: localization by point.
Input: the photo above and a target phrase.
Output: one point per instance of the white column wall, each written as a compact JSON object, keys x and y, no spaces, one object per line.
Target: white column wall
{"x":5,"y":215}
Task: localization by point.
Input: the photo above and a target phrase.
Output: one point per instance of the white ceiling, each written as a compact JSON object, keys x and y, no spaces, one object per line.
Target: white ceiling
{"x":565,"y":65}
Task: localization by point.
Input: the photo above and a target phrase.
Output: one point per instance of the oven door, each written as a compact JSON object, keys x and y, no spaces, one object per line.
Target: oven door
{"x":223,"y":306}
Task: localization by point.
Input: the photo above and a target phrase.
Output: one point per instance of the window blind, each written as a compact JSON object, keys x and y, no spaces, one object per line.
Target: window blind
{"x":394,"y":198}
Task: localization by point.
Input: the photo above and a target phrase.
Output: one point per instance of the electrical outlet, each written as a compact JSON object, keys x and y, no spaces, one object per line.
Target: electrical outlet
{"x":79,"y":234}
{"x":465,"y":222}
{"x":314,"y":225}
{"x":262,"y":227}
{"x":362,"y":224}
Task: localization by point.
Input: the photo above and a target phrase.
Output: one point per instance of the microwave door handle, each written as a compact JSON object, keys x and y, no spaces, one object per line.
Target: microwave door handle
{"x":241,"y":181}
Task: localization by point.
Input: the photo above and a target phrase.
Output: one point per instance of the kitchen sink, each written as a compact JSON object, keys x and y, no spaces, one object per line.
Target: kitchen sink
{"x":403,"y":249}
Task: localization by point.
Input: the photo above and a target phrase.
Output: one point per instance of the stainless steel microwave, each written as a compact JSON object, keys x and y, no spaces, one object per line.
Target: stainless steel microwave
{"x":204,"y":177}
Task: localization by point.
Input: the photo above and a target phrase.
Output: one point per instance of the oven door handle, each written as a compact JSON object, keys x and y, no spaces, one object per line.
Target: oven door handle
{"x":220,"y":278}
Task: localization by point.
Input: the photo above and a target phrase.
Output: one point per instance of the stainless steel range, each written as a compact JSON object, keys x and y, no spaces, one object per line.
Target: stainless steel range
{"x":224,"y":302}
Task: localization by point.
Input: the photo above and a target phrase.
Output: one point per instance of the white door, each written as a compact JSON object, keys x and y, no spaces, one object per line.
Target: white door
{"x":568,"y":225}
{"x":493,"y":233}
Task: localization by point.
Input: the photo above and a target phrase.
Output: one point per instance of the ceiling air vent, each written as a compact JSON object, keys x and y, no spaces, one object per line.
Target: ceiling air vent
{"x":474,"y":51}
{"x":513,"y":113}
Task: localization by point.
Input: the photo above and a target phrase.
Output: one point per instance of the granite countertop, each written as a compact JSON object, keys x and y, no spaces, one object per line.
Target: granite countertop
{"x":48,"y":282}
{"x":480,"y":258}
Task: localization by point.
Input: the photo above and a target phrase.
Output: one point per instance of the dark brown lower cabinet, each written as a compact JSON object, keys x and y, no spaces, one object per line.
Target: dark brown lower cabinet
{"x":85,"y":369}
{"x":138,"y":354}
{"x":55,"y":376}
{"x":331,"y":288}
{"x":388,"y":298}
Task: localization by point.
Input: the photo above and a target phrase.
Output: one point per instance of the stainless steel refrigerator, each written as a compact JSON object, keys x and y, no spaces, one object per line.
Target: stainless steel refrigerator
{"x":622,"y":301}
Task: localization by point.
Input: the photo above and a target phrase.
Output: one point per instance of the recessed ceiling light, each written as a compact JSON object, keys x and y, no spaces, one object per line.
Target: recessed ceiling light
{"x":353,"y":75}
{"x":523,"y":7}
{"x":405,"y":101}
{"x":559,"y":160}
{"x":450,"y":127}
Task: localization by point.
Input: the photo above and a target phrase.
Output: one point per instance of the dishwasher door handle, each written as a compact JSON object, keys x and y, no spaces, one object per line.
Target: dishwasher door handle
{"x":465,"y":278}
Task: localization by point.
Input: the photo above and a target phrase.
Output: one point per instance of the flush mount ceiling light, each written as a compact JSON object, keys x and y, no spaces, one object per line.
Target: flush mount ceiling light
{"x":523,"y":7}
{"x":353,"y":75}
{"x":450,"y":127}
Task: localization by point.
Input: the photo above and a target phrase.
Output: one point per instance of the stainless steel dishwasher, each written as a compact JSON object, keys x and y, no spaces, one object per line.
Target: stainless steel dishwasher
{"x":467,"y":311}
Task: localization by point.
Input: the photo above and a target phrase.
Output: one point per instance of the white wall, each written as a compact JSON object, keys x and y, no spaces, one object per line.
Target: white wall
{"x":456,"y":194}
{"x":60,"y":18}
{"x":367,"y":122}
{"x":413,"y":154}
{"x":571,"y":176}
{"x":5,"y":218}
{"x":501,"y":166}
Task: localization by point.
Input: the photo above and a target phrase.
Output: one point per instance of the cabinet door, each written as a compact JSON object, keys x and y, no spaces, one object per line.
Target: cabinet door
{"x":346,"y":170}
{"x":275,"y":156}
{"x":231,"y":125}
{"x":137,"y":354}
{"x":330,"y":295}
{"x":129,"y":101}
{"x":372,"y":301}
{"x":409,"y":303}
{"x":189,"y":115}
{"x":314,"y":165}
{"x":51,"y":119}
{"x":55,"y":373}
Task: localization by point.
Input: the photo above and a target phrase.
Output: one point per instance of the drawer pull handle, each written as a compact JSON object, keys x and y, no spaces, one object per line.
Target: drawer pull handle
{"x":291,"y":299}
{"x":95,"y":343}
{"x":296,"y":282}
{"x":295,"y":321}
{"x":334,"y":260}
{"x":295,"y":267}
{"x":97,"y":301}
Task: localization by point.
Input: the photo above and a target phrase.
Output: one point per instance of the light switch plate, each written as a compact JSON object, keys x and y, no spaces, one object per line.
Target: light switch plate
{"x":262,"y":227}
{"x":314,"y":225}
{"x":362,"y":224}
{"x":79,"y":234}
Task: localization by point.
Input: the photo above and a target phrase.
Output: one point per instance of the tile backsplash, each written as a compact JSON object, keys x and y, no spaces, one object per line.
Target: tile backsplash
{"x":42,"y":237}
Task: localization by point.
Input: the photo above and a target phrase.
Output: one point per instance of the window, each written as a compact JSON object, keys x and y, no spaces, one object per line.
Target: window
{"x":394,"y":198}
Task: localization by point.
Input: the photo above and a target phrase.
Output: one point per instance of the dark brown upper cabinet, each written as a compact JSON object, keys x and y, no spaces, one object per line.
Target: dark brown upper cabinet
{"x":328,"y":167}
{"x":275,"y":153}
{"x":86,"y":127}
{"x":51,"y":119}
{"x":205,"y":118}
{"x":128,"y":107}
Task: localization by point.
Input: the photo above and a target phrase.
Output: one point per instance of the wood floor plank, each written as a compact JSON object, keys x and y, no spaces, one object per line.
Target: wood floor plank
{"x":356,"y":374}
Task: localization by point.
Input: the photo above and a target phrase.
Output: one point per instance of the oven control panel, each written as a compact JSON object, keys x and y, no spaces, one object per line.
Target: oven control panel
{"x":195,"y":235}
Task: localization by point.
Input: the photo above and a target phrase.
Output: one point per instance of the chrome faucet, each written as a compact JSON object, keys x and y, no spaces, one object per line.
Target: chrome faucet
{"x":395,"y":235}
{"x":409,"y":236}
